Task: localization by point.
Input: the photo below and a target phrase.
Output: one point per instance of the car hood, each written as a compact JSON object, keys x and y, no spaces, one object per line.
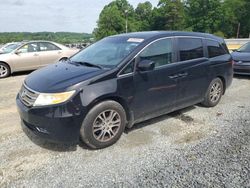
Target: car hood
{"x":60,"y":76}
{"x":241,"y":56}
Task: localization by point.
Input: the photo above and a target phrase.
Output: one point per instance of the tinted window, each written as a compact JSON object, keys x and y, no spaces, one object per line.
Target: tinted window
{"x":160,"y":52}
{"x":190,"y":48}
{"x":31,"y":47}
{"x":214,"y":49}
{"x":45,"y":46}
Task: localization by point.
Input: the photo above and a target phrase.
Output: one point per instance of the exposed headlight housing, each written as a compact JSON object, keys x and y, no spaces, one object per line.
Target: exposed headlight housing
{"x":44,"y":99}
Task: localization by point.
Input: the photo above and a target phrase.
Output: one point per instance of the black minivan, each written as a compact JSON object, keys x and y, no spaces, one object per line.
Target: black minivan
{"x":122,"y":80}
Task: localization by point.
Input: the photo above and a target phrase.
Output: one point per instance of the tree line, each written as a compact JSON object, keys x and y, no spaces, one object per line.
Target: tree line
{"x":60,"y":37}
{"x":225,"y":18}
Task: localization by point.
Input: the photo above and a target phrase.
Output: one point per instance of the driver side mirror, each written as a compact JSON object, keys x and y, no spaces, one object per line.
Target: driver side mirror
{"x":146,"y":65}
{"x":17,"y":52}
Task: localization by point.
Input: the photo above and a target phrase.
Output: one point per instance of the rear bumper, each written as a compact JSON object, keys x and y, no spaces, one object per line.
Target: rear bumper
{"x":59,"y":124}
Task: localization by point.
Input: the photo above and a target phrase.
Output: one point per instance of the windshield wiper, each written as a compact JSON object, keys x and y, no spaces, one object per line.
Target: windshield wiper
{"x":89,"y":64}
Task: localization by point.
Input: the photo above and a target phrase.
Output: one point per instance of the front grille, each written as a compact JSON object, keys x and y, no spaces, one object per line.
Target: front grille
{"x":27,"y":96}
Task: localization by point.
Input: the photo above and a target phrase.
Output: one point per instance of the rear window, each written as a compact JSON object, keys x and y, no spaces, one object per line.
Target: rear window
{"x":190,"y":48}
{"x":215,"y":49}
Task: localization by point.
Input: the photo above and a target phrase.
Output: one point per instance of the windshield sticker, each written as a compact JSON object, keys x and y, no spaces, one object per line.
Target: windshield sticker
{"x":135,"y":40}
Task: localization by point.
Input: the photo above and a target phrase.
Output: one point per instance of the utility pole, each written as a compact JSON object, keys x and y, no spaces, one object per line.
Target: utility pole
{"x":126,"y":20}
{"x":238,"y":31}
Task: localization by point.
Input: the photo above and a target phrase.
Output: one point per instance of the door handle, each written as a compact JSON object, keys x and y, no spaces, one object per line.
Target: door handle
{"x":35,"y":54}
{"x":184,"y":74}
{"x":59,"y":52}
{"x":174,"y":76}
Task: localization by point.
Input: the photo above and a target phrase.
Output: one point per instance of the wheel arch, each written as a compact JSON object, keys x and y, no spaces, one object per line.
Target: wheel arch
{"x":223,"y":82}
{"x":118,"y":99}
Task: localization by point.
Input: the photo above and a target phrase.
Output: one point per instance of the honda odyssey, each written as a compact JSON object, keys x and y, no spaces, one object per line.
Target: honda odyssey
{"x":122,"y":80}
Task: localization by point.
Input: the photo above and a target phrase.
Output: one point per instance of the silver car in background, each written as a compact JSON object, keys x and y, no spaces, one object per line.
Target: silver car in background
{"x":32,"y":55}
{"x":9,"y":47}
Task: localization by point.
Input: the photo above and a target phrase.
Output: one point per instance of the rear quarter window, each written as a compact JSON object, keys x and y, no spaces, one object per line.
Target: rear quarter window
{"x":215,"y":49}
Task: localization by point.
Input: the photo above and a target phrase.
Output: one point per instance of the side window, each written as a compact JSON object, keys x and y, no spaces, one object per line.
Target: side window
{"x":31,"y":47}
{"x":160,"y":52}
{"x":46,"y":46}
{"x":190,"y":48}
{"x":214,"y":49}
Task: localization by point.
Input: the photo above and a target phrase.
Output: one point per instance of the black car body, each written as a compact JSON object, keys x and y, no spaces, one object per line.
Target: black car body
{"x":241,"y":59}
{"x":158,"y":72}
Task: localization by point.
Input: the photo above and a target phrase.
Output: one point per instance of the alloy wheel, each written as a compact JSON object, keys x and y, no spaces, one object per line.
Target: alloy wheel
{"x":215,"y":92}
{"x":3,"y":71}
{"x":106,"y":125}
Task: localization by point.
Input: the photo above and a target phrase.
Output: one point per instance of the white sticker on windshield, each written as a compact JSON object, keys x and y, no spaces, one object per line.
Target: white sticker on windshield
{"x":135,"y":40}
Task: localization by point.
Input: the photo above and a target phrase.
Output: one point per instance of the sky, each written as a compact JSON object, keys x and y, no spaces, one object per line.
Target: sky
{"x":53,"y":15}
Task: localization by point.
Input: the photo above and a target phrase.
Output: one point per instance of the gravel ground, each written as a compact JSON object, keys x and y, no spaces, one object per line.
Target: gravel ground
{"x":194,"y":147}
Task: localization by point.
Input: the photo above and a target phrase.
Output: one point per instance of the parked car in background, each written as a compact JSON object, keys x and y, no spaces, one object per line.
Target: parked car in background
{"x":241,"y":59}
{"x":9,"y":47}
{"x":122,"y":80}
{"x":32,"y":55}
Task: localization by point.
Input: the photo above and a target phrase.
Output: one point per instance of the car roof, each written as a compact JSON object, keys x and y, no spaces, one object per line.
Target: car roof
{"x":159,"y":34}
{"x":57,"y":44}
{"x":29,"y":41}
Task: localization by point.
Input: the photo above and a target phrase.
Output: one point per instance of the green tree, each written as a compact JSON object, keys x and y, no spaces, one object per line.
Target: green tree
{"x":169,"y":15}
{"x":204,"y":15}
{"x":232,"y":13}
{"x":244,"y":19}
{"x":143,"y":14}
{"x":113,"y":17}
{"x":110,"y":22}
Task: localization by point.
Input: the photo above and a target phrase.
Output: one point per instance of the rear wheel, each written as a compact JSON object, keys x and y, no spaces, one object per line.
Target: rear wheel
{"x":214,"y":93}
{"x":103,"y":125}
{"x":63,"y":59}
{"x":4,"y":70}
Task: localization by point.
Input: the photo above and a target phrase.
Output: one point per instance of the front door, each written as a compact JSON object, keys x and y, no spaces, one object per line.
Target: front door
{"x":155,"y":90}
{"x":26,"y":58}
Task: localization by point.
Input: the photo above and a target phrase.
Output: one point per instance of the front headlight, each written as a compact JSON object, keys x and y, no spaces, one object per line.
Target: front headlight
{"x":52,"y":98}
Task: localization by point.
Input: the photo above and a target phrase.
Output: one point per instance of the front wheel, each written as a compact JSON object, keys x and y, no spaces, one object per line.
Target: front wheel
{"x":214,"y":93}
{"x":103,"y":125}
{"x":4,"y":70}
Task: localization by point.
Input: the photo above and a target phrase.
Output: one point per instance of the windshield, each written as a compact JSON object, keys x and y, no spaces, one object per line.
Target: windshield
{"x":245,"y":48}
{"x":107,"y":52}
{"x":9,"y":47}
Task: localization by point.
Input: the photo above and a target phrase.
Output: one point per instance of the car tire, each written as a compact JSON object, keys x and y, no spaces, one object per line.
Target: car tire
{"x":103,"y":125}
{"x":4,"y":70}
{"x":214,"y":93}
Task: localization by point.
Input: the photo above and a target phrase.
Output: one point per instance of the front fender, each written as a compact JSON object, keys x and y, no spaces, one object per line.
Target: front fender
{"x":91,"y":93}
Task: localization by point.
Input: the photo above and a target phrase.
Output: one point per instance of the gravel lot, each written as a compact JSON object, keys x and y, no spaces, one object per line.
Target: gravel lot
{"x":194,"y":147}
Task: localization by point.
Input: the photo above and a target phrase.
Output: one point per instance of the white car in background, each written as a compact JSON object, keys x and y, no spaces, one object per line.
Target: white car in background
{"x":32,"y":55}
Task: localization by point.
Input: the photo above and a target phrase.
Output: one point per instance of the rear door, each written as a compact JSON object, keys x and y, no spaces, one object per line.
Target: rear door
{"x":192,"y":71}
{"x":49,"y":53}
